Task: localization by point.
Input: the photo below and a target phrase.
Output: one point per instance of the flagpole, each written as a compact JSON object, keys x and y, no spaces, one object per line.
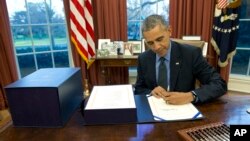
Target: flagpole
{"x":86,"y":83}
{"x":82,"y":34}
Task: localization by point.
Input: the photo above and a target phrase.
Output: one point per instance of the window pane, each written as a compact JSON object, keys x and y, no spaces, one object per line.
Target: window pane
{"x":163,"y":9}
{"x":17,"y":12}
{"x":55,"y":11}
{"x":40,"y":38}
{"x":26,"y":64}
{"x":134,"y":30}
{"x":61,"y":59}
{"x":243,"y":38}
{"x":21,"y":38}
{"x":133,"y":9}
{"x":149,"y":7}
{"x":245,"y":9}
{"x":44,"y":60}
{"x":37,"y":11}
{"x":58,"y":37}
{"x":240,"y":62}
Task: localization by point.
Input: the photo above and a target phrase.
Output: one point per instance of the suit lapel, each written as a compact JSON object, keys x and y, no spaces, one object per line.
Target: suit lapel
{"x":151,"y":61}
{"x":175,"y":64}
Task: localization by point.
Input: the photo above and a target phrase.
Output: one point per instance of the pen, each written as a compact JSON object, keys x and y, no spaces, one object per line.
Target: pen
{"x":150,"y":94}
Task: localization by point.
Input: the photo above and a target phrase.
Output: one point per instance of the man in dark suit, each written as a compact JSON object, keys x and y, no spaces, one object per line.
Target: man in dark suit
{"x":184,"y":64}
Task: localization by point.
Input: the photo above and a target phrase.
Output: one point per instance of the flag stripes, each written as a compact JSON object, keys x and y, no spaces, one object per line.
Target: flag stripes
{"x":222,"y":3}
{"x":82,"y":29}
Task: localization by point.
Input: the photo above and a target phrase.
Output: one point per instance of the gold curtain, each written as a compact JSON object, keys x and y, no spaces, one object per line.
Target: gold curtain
{"x":8,"y":71}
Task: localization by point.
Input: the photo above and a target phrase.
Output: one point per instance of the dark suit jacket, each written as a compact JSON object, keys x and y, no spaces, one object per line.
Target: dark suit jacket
{"x":186,"y":65}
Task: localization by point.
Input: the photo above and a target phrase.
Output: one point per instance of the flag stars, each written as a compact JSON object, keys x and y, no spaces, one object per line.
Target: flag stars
{"x":216,"y":28}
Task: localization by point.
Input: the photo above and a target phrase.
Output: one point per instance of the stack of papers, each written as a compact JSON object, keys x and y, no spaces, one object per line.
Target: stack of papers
{"x":111,"y":97}
{"x":163,"y":111}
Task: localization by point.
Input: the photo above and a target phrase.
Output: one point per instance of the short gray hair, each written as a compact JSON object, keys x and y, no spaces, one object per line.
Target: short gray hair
{"x":153,"y":20}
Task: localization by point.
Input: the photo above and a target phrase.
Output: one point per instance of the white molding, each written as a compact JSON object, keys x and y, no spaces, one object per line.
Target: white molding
{"x":239,"y":83}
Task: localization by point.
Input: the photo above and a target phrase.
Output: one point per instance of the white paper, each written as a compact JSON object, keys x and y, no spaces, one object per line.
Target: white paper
{"x":194,"y":38}
{"x":163,"y":111}
{"x":111,"y":97}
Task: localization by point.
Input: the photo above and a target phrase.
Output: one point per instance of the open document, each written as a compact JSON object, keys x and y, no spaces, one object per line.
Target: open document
{"x":111,"y":97}
{"x":163,"y":111}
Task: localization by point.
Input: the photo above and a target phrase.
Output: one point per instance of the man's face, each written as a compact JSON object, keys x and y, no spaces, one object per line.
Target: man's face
{"x":158,"y":39}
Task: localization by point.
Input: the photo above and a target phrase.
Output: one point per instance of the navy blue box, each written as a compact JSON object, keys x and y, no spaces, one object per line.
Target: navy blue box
{"x":45,"y":98}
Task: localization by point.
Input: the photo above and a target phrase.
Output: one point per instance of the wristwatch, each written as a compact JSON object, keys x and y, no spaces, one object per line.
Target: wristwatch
{"x":195,"y":97}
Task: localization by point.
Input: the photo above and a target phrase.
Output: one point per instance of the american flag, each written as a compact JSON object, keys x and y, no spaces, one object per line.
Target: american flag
{"x":222,"y":3}
{"x":82,"y":29}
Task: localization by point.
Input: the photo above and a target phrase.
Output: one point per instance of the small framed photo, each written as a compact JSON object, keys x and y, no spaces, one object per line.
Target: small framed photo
{"x":127,"y":49}
{"x":136,"y":46}
{"x":102,"y":43}
{"x":111,"y":48}
{"x":119,"y":45}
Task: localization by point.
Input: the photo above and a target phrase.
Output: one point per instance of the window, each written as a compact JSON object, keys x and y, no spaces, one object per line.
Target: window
{"x":39,"y":34}
{"x":138,"y":10}
{"x":240,"y":68}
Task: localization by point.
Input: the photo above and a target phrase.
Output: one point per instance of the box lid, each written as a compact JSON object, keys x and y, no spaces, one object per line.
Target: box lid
{"x":47,"y":77}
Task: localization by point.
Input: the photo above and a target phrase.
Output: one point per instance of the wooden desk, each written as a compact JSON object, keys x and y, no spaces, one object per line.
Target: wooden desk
{"x":115,"y":61}
{"x":230,"y":109}
{"x":118,"y":61}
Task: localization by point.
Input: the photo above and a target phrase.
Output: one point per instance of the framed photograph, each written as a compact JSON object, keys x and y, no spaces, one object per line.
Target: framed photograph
{"x":111,"y":48}
{"x":102,"y":43}
{"x":119,"y":45}
{"x":127,"y":49}
{"x":136,"y":46}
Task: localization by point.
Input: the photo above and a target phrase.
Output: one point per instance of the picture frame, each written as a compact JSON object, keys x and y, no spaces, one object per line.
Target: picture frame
{"x":102,"y":43}
{"x":127,"y":49}
{"x":111,"y":48}
{"x":136,"y":46}
{"x":119,"y":45}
